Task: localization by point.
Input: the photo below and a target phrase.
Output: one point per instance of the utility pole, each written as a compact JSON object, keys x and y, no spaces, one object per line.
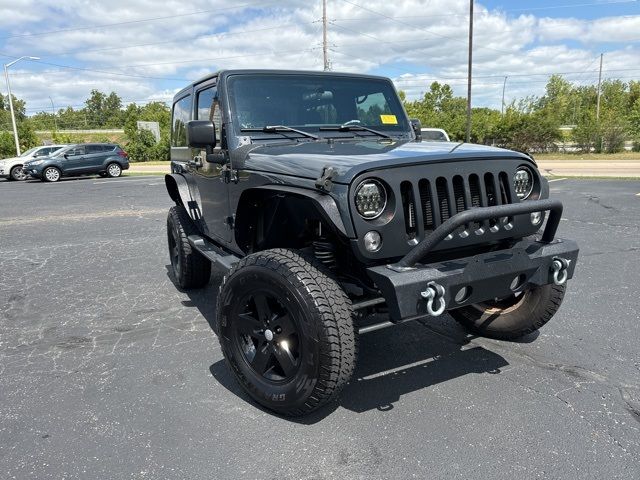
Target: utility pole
{"x":325,"y":56}
{"x":599,"y":92}
{"x":470,"y":63}
{"x":504,"y":86}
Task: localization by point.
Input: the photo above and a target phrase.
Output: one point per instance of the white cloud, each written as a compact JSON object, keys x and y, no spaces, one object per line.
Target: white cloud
{"x":426,"y":40}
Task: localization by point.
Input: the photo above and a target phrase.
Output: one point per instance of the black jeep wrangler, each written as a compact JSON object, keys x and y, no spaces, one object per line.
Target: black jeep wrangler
{"x":315,"y":195}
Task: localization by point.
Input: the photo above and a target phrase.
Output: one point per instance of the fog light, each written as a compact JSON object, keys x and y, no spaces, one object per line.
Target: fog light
{"x":536,"y":218}
{"x":372,"y":241}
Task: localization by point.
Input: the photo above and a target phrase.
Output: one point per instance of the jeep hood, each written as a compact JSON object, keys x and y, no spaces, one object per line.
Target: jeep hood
{"x":351,"y":158}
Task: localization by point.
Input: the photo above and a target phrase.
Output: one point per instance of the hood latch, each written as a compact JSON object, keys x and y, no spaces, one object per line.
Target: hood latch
{"x":325,"y":181}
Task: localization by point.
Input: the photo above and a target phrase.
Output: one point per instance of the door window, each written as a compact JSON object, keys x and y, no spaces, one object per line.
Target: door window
{"x":181,"y":115}
{"x":94,"y":149}
{"x":209,"y":108}
{"x":76,"y":151}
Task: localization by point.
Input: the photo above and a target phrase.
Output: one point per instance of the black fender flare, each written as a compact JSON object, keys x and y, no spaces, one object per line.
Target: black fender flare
{"x":184,"y":193}
{"x":325,"y":204}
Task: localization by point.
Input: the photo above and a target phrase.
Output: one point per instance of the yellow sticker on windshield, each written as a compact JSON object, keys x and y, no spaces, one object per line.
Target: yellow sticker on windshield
{"x":389,"y":119}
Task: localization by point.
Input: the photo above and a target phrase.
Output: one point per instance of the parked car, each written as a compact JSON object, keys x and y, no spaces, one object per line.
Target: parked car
{"x":105,"y":159}
{"x":434,"y":135}
{"x":310,"y":191}
{"x":11,"y":168}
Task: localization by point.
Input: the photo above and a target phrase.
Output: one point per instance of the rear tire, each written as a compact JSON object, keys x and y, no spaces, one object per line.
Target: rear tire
{"x":514,"y":317}
{"x":114,"y":170}
{"x":17,"y":173}
{"x":51,"y":174}
{"x":189,"y":267}
{"x":286,"y":331}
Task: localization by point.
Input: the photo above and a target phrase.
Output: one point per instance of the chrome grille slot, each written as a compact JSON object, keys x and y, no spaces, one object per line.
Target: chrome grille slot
{"x":427,"y":207}
{"x":409,"y":206}
{"x":443,"y":199}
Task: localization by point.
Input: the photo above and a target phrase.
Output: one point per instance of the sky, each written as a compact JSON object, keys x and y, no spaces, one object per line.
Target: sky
{"x":146,"y":50}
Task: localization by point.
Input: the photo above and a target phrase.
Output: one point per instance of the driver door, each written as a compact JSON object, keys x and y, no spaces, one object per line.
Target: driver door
{"x":73,"y":163}
{"x":214,"y":190}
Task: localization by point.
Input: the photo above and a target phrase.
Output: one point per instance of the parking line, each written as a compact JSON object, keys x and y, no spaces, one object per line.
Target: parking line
{"x":556,"y":179}
{"x":124,"y":180}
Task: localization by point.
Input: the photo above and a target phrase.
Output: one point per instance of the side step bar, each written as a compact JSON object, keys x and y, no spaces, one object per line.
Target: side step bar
{"x":212,"y":252}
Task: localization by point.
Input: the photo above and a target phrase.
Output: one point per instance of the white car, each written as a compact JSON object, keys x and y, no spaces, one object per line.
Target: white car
{"x":434,"y":135}
{"x":11,"y":168}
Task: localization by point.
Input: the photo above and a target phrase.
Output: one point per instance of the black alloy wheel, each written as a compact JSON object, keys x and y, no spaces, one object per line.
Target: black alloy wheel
{"x":266,"y":336}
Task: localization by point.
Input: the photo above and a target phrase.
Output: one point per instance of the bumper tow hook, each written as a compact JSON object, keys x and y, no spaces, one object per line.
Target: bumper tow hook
{"x":434,"y":293}
{"x":559,"y":268}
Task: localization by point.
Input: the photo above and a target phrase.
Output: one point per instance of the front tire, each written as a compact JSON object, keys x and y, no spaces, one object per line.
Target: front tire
{"x":513,"y":317}
{"x":189,"y":267}
{"x":17,"y":173}
{"x":51,"y":174}
{"x":286,"y":331}
{"x":114,"y":170}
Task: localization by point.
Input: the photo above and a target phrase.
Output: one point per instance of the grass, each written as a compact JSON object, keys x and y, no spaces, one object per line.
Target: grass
{"x":593,"y":177}
{"x":153,"y":163}
{"x":588,"y":156}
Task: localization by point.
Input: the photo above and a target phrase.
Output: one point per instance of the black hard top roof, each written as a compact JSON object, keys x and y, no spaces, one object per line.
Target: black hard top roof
{"x":187,"y":89}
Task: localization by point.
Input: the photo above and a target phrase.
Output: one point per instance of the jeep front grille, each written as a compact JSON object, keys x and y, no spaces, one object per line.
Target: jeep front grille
{"x":441,"y":198}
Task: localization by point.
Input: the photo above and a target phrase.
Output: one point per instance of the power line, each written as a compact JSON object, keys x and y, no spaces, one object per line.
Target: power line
{"x":551,"y":7}
{"x":164,"y":42}
{"x":129,"y":22}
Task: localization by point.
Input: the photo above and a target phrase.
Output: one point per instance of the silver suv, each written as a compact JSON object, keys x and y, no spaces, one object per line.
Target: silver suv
{"x":11,"y":168}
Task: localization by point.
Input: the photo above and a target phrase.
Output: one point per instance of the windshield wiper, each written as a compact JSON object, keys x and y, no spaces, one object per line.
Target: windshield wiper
{"x":280,"y":128}
{"x":351,"y":128}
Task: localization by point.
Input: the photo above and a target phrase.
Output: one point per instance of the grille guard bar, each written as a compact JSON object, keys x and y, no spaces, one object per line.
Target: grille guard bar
{"x":480,"y":214}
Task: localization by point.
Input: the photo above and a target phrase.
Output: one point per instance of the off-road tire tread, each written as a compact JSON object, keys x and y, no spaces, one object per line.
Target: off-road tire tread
{"x":333,"y":308}
{"x":540,"y":316}
{"x":196,"y":269}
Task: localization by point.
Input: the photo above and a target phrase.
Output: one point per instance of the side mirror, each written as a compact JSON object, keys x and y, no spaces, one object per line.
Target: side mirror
{"x":66,"y":155}
{"x":417,"y":128}
{"x":201,"y":134}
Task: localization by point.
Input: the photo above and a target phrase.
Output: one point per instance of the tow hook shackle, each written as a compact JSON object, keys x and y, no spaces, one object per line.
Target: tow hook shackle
{"x":434,"y":293}
{"x":559,"y":268}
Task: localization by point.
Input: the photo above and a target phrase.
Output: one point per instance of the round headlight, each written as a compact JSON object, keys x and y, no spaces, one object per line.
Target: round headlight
{"x":370,"y":199}
{"x":523,"y":182}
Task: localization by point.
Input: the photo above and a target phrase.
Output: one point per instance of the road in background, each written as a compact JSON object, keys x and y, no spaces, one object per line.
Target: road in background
{"x":107,"y":370}
{"x":558,"y":168}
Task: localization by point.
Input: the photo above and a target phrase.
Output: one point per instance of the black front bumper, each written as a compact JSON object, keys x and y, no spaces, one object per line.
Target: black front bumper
{"x":498,"y":274}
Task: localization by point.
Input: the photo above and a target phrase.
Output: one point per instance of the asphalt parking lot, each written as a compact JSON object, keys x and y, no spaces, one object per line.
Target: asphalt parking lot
{"x":108,"y":371}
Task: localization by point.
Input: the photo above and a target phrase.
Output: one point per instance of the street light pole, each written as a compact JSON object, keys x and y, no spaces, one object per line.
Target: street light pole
{"x":53,"y":111}
{"x":13,"y":116}
{"x":504,"y":87}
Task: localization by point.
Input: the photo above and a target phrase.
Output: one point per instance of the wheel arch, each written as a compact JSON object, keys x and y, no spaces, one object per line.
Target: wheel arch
{"x":261,"y":216}
{"x":185,"y":194}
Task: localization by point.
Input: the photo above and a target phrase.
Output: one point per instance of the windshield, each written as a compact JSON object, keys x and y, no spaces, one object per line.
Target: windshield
{"x":433,"y":135}
{"x":29,"y":152}
{"x":310,"y":102}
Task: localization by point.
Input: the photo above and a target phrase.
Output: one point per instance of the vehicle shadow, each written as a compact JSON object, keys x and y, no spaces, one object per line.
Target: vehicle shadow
{"x":391,"y":362}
